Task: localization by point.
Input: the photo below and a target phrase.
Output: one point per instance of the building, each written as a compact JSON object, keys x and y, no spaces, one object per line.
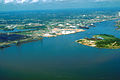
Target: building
{"x":119,"y":14}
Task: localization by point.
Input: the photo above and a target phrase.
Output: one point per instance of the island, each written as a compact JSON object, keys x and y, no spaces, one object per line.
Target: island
{"x":101,"y":41}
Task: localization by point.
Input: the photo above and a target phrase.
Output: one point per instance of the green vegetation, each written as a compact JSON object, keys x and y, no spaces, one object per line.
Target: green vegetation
{"x":24,"y":33}
{"x":6,"y":40}
{"x":2,"y":27}
{"x":102,"y":41}
{"x":109,"y":41}
{"x":105,"y":36}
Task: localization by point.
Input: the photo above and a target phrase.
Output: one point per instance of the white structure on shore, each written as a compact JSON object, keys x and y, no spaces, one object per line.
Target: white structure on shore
{"x":119,"y":14}
{"x":67,"y":32}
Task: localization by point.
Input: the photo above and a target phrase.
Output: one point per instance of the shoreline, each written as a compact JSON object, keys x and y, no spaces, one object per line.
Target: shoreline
{"x":58,"y":32}
{"x":53,"y":33}
{"x":35,"y":38}
{"x":101,"y":41}
{"x":17,"y":42}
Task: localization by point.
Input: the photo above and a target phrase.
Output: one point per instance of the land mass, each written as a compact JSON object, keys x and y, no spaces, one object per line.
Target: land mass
{"x":101,"y":41}
{"x":6,"y":40}
{"x":29,"y":26}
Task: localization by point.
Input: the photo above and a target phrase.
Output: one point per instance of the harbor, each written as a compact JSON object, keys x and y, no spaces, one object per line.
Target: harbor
{"x":53,"y":58}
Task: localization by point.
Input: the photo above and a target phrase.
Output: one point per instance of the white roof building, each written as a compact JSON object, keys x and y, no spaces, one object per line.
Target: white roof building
{"x":118,"y":13}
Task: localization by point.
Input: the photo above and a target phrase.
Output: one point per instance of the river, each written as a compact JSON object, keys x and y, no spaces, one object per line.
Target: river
{"x":61,"y":58}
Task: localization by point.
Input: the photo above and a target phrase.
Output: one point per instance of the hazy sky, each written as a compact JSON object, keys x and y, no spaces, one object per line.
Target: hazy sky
{"x":9,"y":5}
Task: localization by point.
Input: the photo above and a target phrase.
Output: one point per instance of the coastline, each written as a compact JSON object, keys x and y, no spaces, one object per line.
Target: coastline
{"x":53,"y":33}
{"x":37,"y":37}
{"x":26,"y":40}
{"x":57,"y":32}
{"x":101,"y":41}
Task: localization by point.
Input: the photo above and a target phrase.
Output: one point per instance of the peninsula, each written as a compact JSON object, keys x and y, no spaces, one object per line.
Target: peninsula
{"x":101,"y":41}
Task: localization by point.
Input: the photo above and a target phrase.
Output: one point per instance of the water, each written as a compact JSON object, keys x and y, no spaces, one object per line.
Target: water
{"x":15,"y":30}
{"x":61,"y":58}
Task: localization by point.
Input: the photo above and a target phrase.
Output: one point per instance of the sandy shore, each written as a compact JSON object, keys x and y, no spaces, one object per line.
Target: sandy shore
{"x":58,"y":31}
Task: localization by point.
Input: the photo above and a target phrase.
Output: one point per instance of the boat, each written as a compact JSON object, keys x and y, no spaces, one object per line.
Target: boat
{"x":92,"y":25}
{"x":84,"y":27}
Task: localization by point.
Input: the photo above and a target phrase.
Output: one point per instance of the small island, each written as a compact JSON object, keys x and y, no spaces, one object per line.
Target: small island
{"x":101,"y":41}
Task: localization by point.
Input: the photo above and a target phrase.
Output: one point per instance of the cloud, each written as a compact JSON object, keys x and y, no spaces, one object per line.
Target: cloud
{"x":59,"y":0}
{"x":51,"y":1}
{"x":44,"y":0}
{"x":8,"y":1}
{"x":34,"y":1}
{"x":107,"y":0}
{"x":30,"y":1}
{"x":21,"y":1}
{"x":101,"y":0}
{"x":13,"y":1}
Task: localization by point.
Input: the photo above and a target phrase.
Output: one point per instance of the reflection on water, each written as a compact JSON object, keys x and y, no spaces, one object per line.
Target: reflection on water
{"x":61,"y":58}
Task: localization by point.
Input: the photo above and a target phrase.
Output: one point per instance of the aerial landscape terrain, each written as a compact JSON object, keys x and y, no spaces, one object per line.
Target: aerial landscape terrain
{"x":59,"y":40}
{"x":33,"y":28}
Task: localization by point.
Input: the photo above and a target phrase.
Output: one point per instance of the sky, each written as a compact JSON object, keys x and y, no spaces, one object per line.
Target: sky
{"x":13,"y":5}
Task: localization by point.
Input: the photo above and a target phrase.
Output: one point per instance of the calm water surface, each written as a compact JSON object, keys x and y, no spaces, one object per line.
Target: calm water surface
{"x":61,"y":58}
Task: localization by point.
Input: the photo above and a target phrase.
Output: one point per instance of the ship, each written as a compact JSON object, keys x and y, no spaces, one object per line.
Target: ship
{"x":84,"y":27}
